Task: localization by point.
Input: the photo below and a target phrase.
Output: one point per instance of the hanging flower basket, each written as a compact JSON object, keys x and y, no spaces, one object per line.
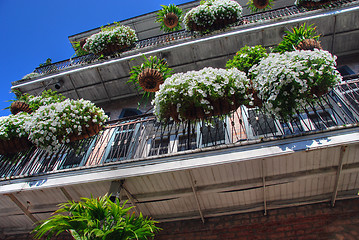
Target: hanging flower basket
{"x":197,"y":95}
{"x":13,"y":134}
{"x":60,"y":123}
{"x":287,"y":82}
{"x":312,"y":4}
{"x":19,"y":106}
{"x":110,"y":40}
{"x":213,"y":15}
{"x":14,"y":145}
{"x":309,"y":44}
{"x":87,"y":132}
{"x":260,"y":4}
{"x":170,"y":20}
{"x":150,"y":80}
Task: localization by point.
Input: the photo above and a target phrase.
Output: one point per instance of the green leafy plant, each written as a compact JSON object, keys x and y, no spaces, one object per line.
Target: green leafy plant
{"x":170,"y":18}
{"x":288,"y":81}
{"x":48,"y":62}
{"x":212,"y":15}
{"x":110,"y":39}
{"x":196,"y":95}
{"x":247,"y":57}
{"x":97,"y":219}
{"x":259,"y":5}
{"x":55,"y":124}
{"x":162,"y":73}
{"x":31,"y":75}
{"x":293,"y":38}
{"x":79,"y":51}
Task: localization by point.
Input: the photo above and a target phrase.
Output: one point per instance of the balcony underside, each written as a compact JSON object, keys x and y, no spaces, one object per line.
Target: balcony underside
{"x":106,"y":80}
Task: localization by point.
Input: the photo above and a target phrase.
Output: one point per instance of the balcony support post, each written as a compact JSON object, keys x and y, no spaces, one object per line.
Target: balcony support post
{"x":195,"y":194}
{"x":264,"y":186}
{"x":339,"y":171}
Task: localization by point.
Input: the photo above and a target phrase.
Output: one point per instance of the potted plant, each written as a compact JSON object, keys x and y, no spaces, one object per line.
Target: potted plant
{"x":13,"y":135}
{"x":62,"y":122}
{"x":300,"y":38}
{"x":196,"y":95}
{"x":170,"y":18}
{"x":31,"y":75}
{"x":259,"y":5}
{"x":97,"y":218}
{"x":286,"y":82}
{"x":29,"y":103}
{"x":150,"y":74}
{"x":245,"y":59}
{"x":212,"y":15}
{"x":110,"y":40}
{"x":314,"y":4}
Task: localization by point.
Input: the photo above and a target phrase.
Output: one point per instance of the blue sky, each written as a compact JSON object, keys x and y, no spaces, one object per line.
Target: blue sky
{"x":32,"y":31}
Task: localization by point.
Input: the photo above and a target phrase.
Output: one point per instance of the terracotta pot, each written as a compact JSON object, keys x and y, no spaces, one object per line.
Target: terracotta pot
{"x":309,"y":44}
{"x":14,"y":145}
{"x":260,"y":4}
{"x":87,"y":132}
{"x":170,"y":20}
{"x":19,"y":106}
{"x":150,"y":80}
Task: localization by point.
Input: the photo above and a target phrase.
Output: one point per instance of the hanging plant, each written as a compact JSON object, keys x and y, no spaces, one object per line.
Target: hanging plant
{"x":213,"y":15}
{"x":170,"y":18}
{"x":13,"y":135}
{"x":300,"y":38}
{"x":110,"y":40}
{"x":196,"y":95}
{"x":286,"y":82}
{"x":150,"y":74}
{"x":259,"y":5}
{"x":29,"y":103}
{"x":60,"y":123}
{"x":244,"y":59}
{"x":314,"y":4}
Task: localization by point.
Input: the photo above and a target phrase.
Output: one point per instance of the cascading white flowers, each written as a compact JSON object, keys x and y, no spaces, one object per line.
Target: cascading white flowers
{"x":212,"y":11}
{"x":120,"y":35}
{"x":287,"y":81}
{"x":201,"y":89}
{"x":13,"y":126}
{"x":51,"y":125}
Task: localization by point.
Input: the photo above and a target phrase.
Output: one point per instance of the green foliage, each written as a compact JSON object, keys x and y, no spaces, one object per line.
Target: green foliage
{"x":254,"y":9}
{"x":247,"y":57}
{"x":293,"y":38}
{"x":79,"y":51}
{"x":48,"y":62}
{"x":95,"y":219}
{"x":164,"y":11}
{"x":152,"y":62}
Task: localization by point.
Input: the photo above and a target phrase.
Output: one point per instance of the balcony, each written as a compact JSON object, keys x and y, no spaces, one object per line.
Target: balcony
{"x":105,"y":80}
{"x":142,"y":138}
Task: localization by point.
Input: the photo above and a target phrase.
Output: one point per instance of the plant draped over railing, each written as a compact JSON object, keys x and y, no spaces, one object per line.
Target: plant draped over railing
{"x":212,"y":15}
{"x":48,"y":121}
{"x":110,"y":40}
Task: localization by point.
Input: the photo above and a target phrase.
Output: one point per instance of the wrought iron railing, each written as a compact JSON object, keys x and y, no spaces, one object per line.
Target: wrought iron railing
{"x":142,"y":137}
{"x":179,"y":35}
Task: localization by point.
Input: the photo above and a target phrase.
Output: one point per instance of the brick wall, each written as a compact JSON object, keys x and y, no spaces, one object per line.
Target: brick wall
{"x":316,"y":221}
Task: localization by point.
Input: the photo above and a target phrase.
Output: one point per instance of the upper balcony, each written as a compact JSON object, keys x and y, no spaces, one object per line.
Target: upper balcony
{"x":105,"y":80}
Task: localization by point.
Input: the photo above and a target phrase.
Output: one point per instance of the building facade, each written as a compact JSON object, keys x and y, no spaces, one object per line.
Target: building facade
{"x":244,"y":176}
